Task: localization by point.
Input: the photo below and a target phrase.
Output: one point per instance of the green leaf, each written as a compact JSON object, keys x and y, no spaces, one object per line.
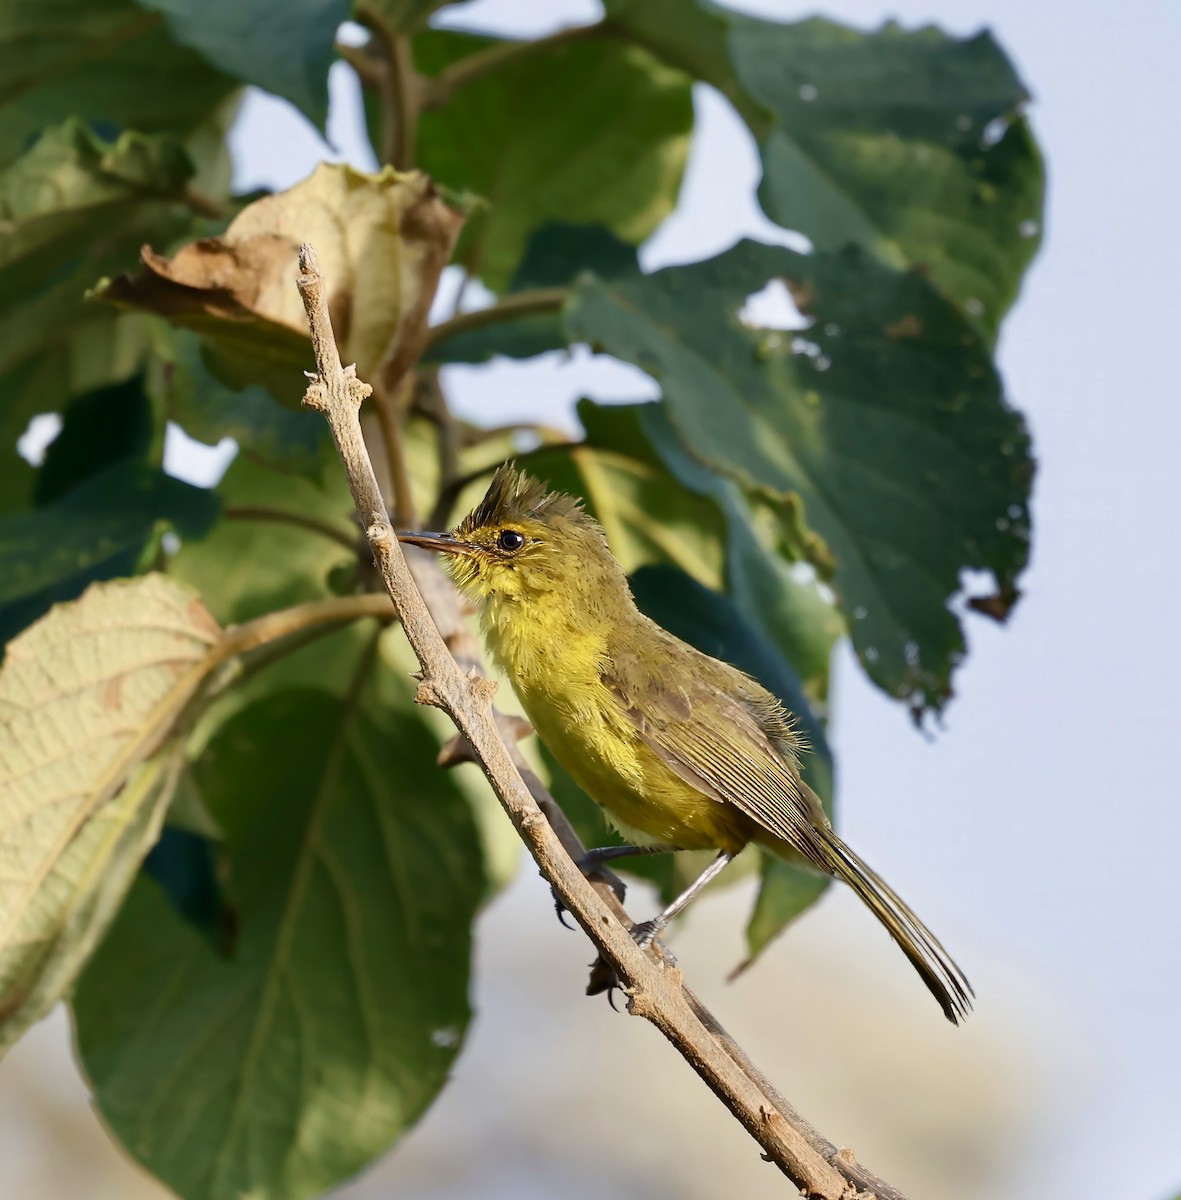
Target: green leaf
{"x":247,"y":566}
{"x":909,"y":143}
{"x":885,"y":421}
{"x":554,"y":257}
{"x":107,"y":526}
{"x":85,"y":695}
{"x":594,"y":133}
{"x":771,"y":595}
{"x":356,"y":870}
{"x":108,"y":61}
{"x":647,"y":516}
{"x":100,"y":429}
{"x":293,"y":439}
{"x":88,"y":356}
{"x":285,"y":49}
{"x":74,"y":206}
{"x":71,"y":183}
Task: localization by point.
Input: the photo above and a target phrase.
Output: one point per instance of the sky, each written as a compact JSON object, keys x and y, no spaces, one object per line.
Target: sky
{"x":1038,"y":829}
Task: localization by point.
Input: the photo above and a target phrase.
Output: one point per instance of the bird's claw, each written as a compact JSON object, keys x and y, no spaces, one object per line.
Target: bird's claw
{"x":646,"y":932}
{"x":592,"y":869}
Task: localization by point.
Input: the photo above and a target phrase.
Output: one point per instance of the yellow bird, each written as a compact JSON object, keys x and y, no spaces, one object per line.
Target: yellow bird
{"x":683,"y":752}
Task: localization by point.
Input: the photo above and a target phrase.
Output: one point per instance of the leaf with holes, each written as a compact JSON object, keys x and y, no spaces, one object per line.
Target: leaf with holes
{"x":909,"y":143}
{"x":86,"y":695}
{"x":885,"y":420}
{"x":356,"y":874}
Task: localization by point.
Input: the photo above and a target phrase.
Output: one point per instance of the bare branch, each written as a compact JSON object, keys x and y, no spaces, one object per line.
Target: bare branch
{"x":452,"y":681}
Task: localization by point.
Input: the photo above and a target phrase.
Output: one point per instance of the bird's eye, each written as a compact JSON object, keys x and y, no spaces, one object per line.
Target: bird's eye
{"x":510,"y":540}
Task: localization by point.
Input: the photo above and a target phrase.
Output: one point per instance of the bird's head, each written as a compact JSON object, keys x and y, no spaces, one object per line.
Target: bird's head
{"x":522,"y":541}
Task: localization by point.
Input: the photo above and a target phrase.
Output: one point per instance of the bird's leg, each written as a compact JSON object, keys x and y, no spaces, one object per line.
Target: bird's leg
{"x":591,"y":864}
{"x":648,"y":931}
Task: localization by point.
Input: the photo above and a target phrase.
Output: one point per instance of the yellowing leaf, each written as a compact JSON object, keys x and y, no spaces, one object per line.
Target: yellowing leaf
{"x":86,"y":695}
{"x":383,"y":240}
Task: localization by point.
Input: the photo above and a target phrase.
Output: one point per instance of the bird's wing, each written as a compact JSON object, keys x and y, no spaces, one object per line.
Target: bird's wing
{"x":730,"y":743}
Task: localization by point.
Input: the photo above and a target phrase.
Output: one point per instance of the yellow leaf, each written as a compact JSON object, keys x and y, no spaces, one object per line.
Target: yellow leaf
{"x":382,"y":240}
{"x":87,"y":694}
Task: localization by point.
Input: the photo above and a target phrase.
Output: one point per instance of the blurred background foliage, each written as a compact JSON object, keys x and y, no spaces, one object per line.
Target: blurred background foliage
{"x":284,"y":988}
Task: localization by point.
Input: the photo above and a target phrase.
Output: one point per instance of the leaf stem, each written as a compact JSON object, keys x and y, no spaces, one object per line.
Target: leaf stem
{"x":439,"y":90}
{"x":509,"y":308}
{"x":399,"y":89}
{"x":238,"y":639}
{"x":391,"y":411}
{"x":258,"y":512}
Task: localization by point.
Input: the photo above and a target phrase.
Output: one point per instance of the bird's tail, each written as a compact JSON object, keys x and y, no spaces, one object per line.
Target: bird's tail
{"x":946,"y":982}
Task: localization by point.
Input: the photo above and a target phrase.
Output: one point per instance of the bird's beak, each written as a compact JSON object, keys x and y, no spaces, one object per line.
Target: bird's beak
{"x":444,"y":543}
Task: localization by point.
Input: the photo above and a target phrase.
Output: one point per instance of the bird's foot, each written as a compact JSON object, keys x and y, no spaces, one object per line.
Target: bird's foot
{"x":646,"y":932}
{"x":592,"y":867}
{"x":603,"y":977}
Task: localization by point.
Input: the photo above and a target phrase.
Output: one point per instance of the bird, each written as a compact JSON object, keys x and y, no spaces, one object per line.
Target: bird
{"x":681,"y":750}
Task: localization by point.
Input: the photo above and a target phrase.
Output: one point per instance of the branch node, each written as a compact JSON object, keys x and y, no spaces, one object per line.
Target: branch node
{"x":429,"y":694}
{"x":316,"y":395}
{"x":483,"y":688}
{"x":379,"y":531}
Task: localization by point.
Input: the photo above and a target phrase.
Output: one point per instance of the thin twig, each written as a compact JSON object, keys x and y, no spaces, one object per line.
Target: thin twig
{"x":654,"y":988}
{"x":238,"y":639}
{"x":391,"y":415}
{"x":516,"y":304}
{"x":368,"y":67}
{"x":257,"y":512}
{"x":438,"y":91}
{"x":399,"y":89}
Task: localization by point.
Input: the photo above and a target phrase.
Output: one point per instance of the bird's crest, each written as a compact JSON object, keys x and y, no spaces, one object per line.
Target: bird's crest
{"x":515,"y":496}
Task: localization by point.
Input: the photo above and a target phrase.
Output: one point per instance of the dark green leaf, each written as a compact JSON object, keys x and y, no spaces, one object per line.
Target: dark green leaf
{"x":283,"y":48}
{"x":356,"y":876}
{"x":100,"y":429}
{"x":106,"y":527}
{"x":559,"y":252}
{"x":184,"y":865}
{"x":554,"y":257}
{"x":75,"y":207}
{"x":786,"y":609}
{"x":885,"y":421}
{"x":908,"y":143}
{"x":108,"y":61}
{"x":594,"y":133}
{"x":294,"y":439}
